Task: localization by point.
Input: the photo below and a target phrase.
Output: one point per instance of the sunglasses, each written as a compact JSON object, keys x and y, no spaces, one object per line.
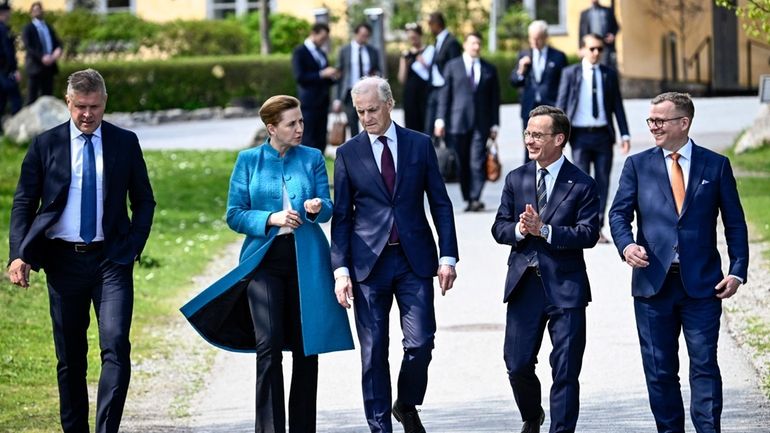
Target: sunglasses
{"x":597,"y":49}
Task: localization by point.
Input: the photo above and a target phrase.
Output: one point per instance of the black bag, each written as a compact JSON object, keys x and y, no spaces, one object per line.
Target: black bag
{"x":447,"y":161}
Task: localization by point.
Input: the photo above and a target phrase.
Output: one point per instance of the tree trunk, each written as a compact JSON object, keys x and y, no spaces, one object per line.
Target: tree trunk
{"x":264,"y":27}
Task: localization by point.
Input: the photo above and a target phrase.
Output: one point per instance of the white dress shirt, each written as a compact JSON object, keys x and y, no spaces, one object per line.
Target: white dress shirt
{"x":355,"y":73}
{"x":68,"y":226}
{"x":316,"y":52}
{"x":584,"y":117}
{"x":377,"y":148}
{"x":550,"y":181}
{"x":470,"y":62}
{"x":44,"y":34}
{"x":437,"y":78}
{"x":538,"y":62}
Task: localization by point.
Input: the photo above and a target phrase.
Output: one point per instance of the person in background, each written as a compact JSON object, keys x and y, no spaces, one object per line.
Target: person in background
{"x":413,"y":74}
{"x":9,"y":72}
{"x":445,"y":49}
{"x":355,"y":60}
{"x":601,"y":21}
{"x":43,"y":50}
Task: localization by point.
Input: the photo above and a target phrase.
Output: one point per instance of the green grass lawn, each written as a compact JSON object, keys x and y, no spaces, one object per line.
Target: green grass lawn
{"x":753,"y":177}
{"x":188,"y":231}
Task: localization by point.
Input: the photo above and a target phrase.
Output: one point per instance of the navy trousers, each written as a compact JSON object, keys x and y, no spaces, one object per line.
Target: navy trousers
{"x":472,"y":157}
{"x":594,"y":147}
{"x":393,"y":277}
{"x":315,"y":119}
{"x":273,"y":294}
{"x":659,"y":320}
{"x":75,"y":281}
{"x":529,"y":311}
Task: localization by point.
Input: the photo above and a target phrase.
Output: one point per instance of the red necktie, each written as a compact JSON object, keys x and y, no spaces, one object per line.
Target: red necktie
{"x":388,"y":171}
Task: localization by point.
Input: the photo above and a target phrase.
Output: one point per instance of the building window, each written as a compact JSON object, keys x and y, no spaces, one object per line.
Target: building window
{"x":554,"y":12}
{"x":220,"y":9}
{"x":114,"y":6}
{"x":103,"y":6}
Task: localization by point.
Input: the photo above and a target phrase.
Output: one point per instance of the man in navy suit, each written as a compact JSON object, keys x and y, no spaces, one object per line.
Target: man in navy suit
{"x":69,"y":217}
{"x":382,"y":247}
{"x":445,"y":49}
{"x":590,"y":95}
{"x":43,"y":50}
{"x":314,"y":78}
{"x":356,"y":59}
{"x":549,"y":213}
{"x":469,"y":114}
{"x":676,"y":190}
{"x":601,"y":21}
{"x":538,"y":73}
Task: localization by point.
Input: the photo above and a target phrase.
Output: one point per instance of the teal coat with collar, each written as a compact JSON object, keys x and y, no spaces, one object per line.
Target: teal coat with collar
{"x":220,"y":313}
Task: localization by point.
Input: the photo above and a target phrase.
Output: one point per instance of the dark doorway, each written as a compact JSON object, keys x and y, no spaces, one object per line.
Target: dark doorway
{"x":725,"y":31}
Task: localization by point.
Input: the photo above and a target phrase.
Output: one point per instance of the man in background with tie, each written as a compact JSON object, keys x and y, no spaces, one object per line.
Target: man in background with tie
{"x":549,"y":213}
{"x":590,"y":95}
{"x":469,"y":114}
{"x":445,"y":49}
{"x":383,"y":247}
{"x":356,"y":60}
{"x":314,"y":78}
{"x":601,"y":21}
{"x":43,"y":49}
{"x":69,"y":217}
{"x":538,"y":73}
{"x":675,"y":192}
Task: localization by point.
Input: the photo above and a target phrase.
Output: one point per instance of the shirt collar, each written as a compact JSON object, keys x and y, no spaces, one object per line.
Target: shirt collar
{"x":75,"y":132}
{"x":469,"y":60}
{"x":310,"y":45}
{"x":685,"y":151}
{"x":441,"y":36}
{"x":554,"y":168}
{"x":390,"y":133}
{"x":355,"y":44}
{"x":587,"y":65}
{"x":543,"y":50}
{"x":38,"y":22}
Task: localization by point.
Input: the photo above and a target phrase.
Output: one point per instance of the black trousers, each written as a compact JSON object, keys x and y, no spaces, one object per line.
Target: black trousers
{"x":594,"y":147}
{"x":273,"y":295}
{"x":471,"y":150}
{"x":40,"y":84}
{"x":315,"y":126}
{"x":75,"y":280}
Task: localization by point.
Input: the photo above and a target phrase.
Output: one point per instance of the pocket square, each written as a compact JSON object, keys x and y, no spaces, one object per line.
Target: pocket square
{"x":704,"y":182}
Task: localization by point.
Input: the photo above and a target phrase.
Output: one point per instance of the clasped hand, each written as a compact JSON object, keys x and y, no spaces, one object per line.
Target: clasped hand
{"x":529,"y":221}
{"x":18,"y":273}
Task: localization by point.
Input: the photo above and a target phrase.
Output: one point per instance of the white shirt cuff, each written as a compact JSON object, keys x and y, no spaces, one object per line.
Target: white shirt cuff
{"x":737,"y":278}
{"x":451,"y":261}
{"x":341,"y":272}
{"x":519,"y":236}
{"x":625,"y":137}
{"x":439,"y":123}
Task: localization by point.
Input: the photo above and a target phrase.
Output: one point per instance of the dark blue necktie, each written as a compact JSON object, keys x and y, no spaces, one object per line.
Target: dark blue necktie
{"x":542,"y":195}
{"x":88,"y":192}
{"x":594,"y":93}
{"x":388,"y":171}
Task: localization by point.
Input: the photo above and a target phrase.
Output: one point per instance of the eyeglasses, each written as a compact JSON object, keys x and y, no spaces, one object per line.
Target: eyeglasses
{"x":597,"y":49}
{"x":658,"y":123}
{"x":537,"y":136}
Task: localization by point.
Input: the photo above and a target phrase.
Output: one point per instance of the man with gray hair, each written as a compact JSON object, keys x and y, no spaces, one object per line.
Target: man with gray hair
{"x":69,"y":217}
{"x":382,"y":247}
{"x":538,"y":73}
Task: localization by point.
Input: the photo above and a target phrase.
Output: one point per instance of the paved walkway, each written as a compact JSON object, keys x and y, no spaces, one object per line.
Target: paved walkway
{"x":468,"y":390}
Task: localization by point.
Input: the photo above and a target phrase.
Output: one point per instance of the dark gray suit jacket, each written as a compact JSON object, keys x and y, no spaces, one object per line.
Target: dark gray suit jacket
{"x":344,"y":64}
{"x":464,"y":110}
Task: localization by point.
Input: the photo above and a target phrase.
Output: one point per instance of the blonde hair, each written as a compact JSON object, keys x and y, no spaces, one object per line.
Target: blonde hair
{"x":272,"y":110}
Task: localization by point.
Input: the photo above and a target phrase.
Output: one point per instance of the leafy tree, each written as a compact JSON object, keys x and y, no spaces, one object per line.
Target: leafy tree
{"x":755,"y":16}
{"x":512,"y":28}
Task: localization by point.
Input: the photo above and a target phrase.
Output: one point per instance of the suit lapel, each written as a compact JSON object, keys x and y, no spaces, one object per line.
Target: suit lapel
{"x":695,"y":180}
{"x":403,"y":145}
{"x":529,"y":186}
{"x":561,"y":188}
{"x":660,"y":173}
{"x":109,"y":156}
{"x":366,"y":156}
{"x":62,"y":157}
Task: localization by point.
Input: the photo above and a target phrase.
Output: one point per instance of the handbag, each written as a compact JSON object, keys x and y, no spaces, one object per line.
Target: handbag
{"x":336,"y":133}
{"x":447,"y":160}
{"x":493,"y":166}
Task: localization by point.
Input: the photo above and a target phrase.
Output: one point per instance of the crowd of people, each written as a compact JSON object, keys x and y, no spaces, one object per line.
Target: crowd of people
{"x":291,"y":286}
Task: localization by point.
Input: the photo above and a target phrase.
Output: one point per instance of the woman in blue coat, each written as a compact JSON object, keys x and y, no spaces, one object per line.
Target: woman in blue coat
{"x":281,"y":295}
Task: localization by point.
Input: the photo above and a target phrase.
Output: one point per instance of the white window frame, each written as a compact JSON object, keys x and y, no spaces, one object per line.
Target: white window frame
{"x":559,"y":28}
{"x":241,"y":7}
{"x":101,"y":7}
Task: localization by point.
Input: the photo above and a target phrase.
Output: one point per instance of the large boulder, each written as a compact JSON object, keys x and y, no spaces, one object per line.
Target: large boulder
{"x":45,"y":113}
{"x":758,"y":133}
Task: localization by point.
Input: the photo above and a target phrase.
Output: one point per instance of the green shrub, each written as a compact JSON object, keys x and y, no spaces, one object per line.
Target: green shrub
{"x":286,"y":31}
{"x":203,"y":38}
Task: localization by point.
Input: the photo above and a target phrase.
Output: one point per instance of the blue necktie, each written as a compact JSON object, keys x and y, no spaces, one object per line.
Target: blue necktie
{"x":88,"y":192}
{"x":542,"y":196}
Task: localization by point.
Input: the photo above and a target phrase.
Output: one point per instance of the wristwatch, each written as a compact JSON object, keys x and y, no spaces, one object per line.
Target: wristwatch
{"x":545,"y":230}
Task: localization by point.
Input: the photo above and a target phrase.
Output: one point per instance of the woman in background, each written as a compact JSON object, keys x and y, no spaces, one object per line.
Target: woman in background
{"x":413,"y":74}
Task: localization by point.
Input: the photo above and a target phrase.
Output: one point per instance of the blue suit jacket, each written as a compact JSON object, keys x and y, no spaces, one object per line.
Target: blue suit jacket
{"x":645,"y":191}
{"x":548,"y":86}
{"x":312,"y":89}
{"x":569,"y":94}
{"x":572,"y":212}
{"x":364,"y":211}
{"x":220,"y":313}
{"x":463,"y":109}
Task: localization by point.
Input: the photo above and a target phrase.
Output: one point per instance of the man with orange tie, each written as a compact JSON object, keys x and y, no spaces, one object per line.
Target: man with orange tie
{"x":676,"y":190}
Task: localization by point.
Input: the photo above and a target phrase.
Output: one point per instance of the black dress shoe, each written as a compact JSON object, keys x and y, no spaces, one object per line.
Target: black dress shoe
{"x":603,"y":239}
{"x":410,"y":419}
{"x":476,"y":206}
{"x":533,"y":426}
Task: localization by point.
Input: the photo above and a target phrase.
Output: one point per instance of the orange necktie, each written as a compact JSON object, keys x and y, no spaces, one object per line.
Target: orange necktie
{"x":677,"y":182}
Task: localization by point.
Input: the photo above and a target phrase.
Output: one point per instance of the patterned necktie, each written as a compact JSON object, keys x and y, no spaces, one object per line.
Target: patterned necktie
{"x":388,"y":171}
{"x":542,"y":195}
{"x":88,"y":192}
{"x":594,"y":93}
{"x":677,"y":182}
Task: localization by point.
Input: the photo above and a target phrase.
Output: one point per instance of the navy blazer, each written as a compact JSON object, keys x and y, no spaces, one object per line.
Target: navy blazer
{"x":608,"y":16}
{"x":44,"y":184}
{"x":645,"y":192}
{"x":449,"y":49}
{"x":464,"y":109}
{"x":548,"y":86}
{"x":312,"y":89}
{"x":33,"y":47}
{"x":344,"y":65}
{"x":572,"y":212}
{"x":364,"y":211}
{"x":569,"y":94}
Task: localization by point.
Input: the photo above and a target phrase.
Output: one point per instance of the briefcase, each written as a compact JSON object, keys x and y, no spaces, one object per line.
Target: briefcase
{"x":447,"y":161}
{"x":337,"y":128}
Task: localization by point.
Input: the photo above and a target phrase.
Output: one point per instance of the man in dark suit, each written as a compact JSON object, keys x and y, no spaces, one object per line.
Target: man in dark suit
{"x":382,"y":247}
{"x":590,"y":95}
{"x":469,"y":113}
{"x":69,"y":217}
{"x":314,"y":78}
{"x":445,"y":49}
{"x":356,"y":59}
{"x":601,"y":21}
{"x":676,"y":190}
{"x":538,"y":73}
{"x":43,"y":50}
{"x":9,"y":72}
{"x":549,"y":213}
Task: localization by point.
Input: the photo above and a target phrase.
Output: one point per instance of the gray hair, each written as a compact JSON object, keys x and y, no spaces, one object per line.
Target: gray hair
{"x":365,"y":85}
{"x":682,"y":102}
{"x":86,"y":81}
{"x":538,"y":26}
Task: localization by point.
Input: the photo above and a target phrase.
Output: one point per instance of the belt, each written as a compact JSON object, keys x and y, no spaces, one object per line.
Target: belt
{"x":79,"y":247}
{"x":534,"y":269}
{"x":674,"y":269}
{"x":602,"y":128}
